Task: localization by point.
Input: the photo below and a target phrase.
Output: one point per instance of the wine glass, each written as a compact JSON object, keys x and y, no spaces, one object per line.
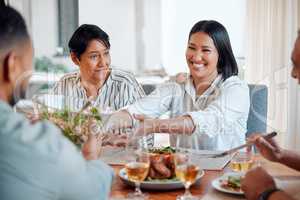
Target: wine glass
{"x":186,"y":168}
{"x":137,"y":164}
{"x":242,"y":161}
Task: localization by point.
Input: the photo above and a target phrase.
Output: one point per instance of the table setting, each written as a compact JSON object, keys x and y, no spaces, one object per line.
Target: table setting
{"x":160,"y":172}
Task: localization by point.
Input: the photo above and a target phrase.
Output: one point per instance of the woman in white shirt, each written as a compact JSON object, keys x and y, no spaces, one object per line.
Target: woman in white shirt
{"x":212,"y":105}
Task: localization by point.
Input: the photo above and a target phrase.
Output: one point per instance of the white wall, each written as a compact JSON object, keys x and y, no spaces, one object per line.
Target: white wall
{"x":117,"y":19}
{"x":153,"y":34}
{"x":44,"y":27}
{"x":145,"y":39}
{"x":180,"y":15}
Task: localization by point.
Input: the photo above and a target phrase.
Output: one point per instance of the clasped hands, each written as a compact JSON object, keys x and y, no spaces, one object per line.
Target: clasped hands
{"x":114,"y":136}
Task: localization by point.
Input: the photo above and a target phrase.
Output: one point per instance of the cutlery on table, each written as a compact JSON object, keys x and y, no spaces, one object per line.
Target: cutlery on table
{"x":233,"y":150}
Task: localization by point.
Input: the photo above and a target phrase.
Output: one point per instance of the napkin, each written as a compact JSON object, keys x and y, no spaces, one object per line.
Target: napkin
{"x":198,"y":157}
{"x":113,"y":155}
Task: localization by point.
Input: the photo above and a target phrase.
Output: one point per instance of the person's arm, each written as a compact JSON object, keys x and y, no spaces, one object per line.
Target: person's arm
{"x":177,"y":125}
{"x":153,"y":105}
{"x":226,"y":114}
{"x":273,"y":152}
{"x":83,"y":177}
{"x":227,"y":111}
{"x":257,"y":182}
{"x":280,"y":195}
{"x":291,"y":159}
{"x":118,"y":120}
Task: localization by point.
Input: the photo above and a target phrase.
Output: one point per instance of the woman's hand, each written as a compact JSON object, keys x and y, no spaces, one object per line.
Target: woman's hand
{"x":145,"y":125}
{"x":117,"y":121}
{"x":92,"y":147}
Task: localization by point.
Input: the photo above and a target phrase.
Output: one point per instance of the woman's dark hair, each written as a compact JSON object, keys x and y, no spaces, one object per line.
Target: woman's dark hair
{"x":227,"y":65}
{"x":83,"y":35}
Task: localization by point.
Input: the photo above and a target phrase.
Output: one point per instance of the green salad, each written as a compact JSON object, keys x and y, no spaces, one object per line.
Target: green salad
{"x":75,"y":127}
{"x":163,"y":150}
{"x":234,"y":181}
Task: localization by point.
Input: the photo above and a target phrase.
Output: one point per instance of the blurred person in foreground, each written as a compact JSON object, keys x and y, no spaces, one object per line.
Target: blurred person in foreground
{"x":258,"y":184}
{"x":36,"y":160}
{"x":212,"y":105}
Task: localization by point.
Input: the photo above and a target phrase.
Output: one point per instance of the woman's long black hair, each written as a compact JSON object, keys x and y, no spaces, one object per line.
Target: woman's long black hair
{"x":227,"y":65}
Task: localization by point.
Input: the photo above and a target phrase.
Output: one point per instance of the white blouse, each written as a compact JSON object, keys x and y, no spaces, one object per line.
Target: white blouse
{"x":220,"y":114}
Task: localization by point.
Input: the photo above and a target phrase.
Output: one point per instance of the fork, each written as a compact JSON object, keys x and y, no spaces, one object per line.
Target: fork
{"x":233,"y":150}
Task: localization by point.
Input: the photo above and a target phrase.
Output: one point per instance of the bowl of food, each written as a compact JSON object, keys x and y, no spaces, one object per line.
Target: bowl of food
{"x":67,"y":113}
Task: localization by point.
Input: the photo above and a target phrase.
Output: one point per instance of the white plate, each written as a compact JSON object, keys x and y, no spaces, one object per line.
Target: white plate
{"x":217,"y":185}
{"x":158,"y":184}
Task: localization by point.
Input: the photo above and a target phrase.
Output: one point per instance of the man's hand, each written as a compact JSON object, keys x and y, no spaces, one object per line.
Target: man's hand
{"x":255,"y":182}
{"x":92,"y":147}
{"x":268,"y":148}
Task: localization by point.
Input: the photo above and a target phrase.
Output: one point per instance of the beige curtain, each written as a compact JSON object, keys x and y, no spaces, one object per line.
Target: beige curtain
{"x":271,"y":31}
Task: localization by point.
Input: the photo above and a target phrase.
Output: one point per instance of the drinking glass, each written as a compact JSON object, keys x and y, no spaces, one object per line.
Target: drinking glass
{"x":186,"y":168}
{"x":242,"y":161}
{"x":137,"y":164}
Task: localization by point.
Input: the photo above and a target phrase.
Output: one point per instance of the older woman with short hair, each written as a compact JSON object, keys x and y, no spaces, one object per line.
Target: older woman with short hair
{"x":90,"y":51}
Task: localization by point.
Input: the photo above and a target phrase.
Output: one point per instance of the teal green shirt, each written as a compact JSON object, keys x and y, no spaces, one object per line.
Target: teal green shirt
{"x":38,"y":162}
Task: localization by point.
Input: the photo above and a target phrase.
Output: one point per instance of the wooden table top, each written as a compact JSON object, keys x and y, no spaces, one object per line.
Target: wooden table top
{"x":204,"y":189}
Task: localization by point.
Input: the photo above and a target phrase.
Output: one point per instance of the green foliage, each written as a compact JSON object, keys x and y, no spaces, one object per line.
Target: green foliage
{"x":67,"y":121}
{"x":234,"y":181}
{"x":162,"y":150}
{"x":44,"y":64}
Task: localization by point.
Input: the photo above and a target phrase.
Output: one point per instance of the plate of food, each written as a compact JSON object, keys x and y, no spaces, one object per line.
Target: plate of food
{"x":161,"y":175}
{"x":229,"y":183}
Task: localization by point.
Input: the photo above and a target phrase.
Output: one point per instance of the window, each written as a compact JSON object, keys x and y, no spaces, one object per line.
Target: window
{"x":67,"y":23}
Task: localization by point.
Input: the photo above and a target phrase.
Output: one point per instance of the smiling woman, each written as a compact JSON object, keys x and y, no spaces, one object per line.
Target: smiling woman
{"x":90,"y":51}
{"x":212,"y":104}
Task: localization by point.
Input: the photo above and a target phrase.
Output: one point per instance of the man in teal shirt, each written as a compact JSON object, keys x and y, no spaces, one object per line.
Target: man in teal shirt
{"x":36,"y":160}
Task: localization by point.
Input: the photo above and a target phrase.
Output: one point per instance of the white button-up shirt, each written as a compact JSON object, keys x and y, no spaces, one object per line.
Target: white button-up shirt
{"x":38,"y":162}
{"x":220,"y":114}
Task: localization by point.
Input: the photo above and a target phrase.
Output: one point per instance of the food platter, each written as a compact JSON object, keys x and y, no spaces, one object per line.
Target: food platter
{"x":165,"y":184}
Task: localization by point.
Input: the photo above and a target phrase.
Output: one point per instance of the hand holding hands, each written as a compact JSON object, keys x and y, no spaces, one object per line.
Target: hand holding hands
{"x":145,"y":125}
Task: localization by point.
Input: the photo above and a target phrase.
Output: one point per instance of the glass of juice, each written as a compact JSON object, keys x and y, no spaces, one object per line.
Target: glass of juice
{"x":242,"y":161}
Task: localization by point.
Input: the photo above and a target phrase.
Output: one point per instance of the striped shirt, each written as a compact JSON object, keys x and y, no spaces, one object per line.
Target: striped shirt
{"x":119,"y":90}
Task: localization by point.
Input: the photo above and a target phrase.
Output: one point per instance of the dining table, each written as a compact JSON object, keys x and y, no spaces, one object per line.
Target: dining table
{"x":285,"y":178}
